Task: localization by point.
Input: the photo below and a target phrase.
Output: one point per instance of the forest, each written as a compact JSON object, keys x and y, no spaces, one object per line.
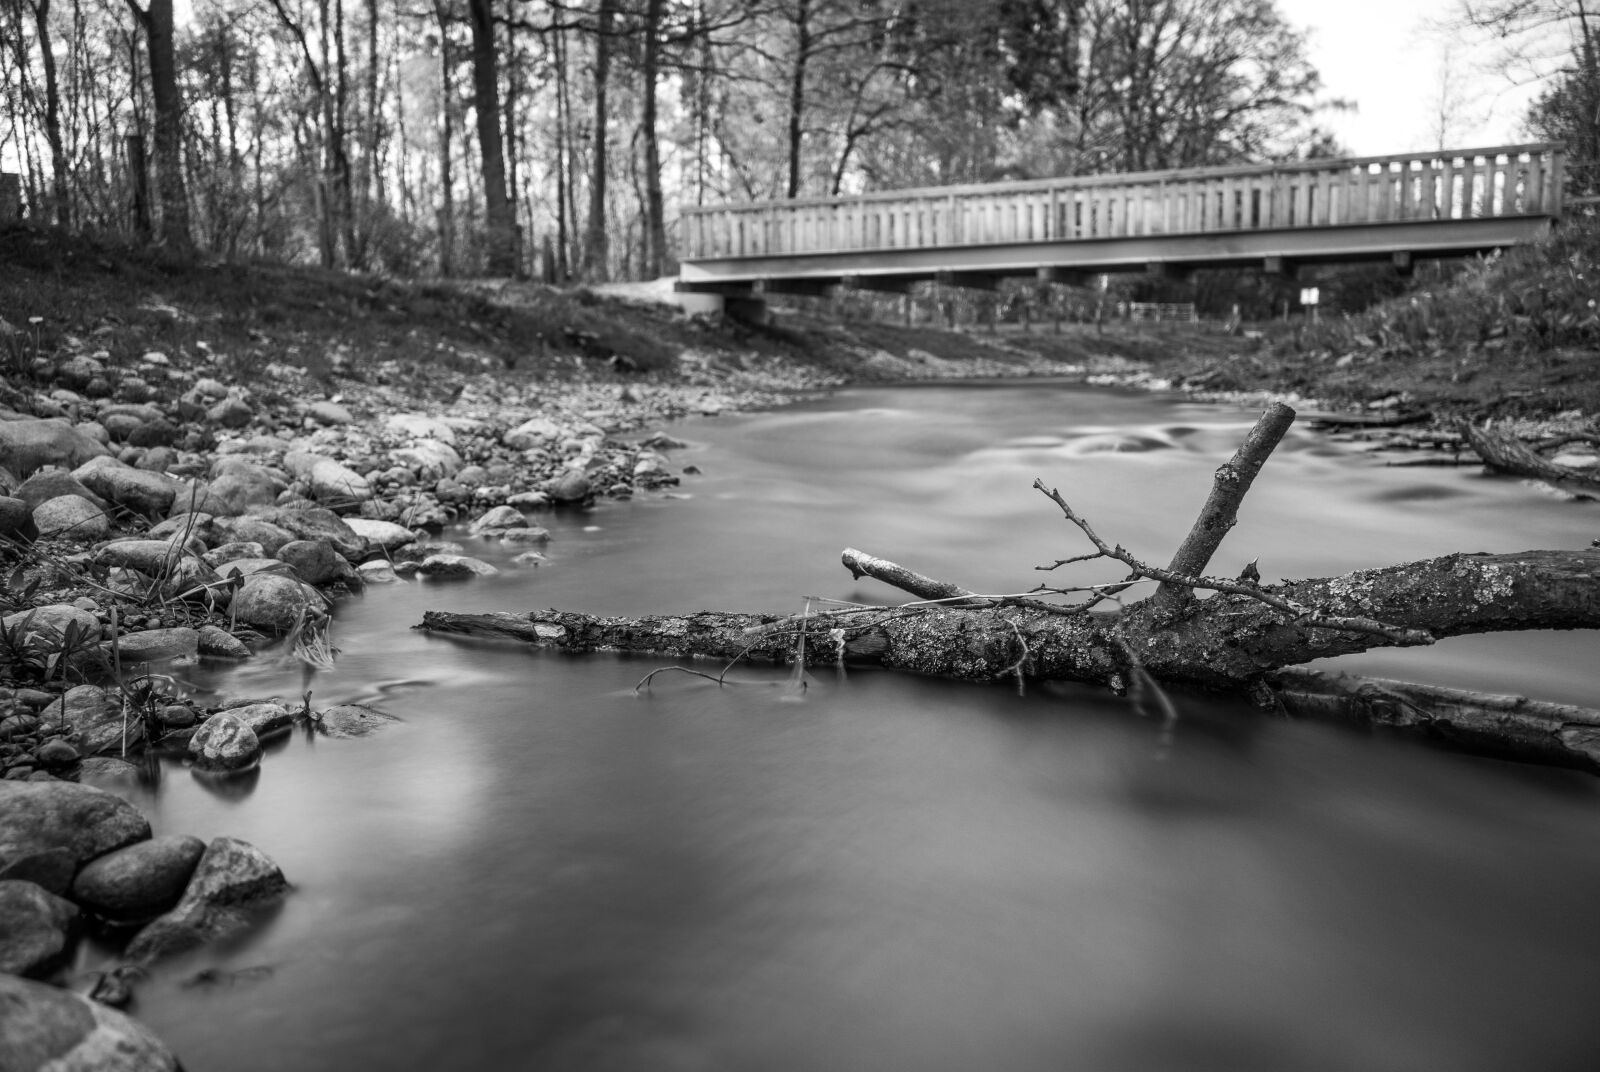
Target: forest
{"x":557,"y":138}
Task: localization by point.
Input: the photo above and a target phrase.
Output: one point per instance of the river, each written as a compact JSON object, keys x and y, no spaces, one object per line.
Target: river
{"x":542,"y":869}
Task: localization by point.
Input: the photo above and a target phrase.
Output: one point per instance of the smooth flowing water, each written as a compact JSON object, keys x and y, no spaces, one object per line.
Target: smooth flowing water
{"x":541,"y":869}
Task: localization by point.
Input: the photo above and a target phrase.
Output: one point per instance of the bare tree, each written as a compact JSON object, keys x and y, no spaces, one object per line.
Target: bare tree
{"x":156,"y":22}
{"x":596,"y":246}
{"x":499,"y":213}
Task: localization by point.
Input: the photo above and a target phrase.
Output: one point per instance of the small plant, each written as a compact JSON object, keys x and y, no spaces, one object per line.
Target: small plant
{"x":21,"y":658}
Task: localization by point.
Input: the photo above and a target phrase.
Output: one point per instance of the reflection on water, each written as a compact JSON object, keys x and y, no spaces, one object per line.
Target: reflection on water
{"x":540,"y":868}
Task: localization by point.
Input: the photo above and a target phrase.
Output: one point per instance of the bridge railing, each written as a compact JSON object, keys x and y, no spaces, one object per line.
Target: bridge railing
{"x":1457,"y":184}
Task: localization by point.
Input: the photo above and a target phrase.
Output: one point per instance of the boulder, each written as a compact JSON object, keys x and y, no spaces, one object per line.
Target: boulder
{"x":144,"y":411}
{"x":330,"y":481}
{"x":431,"y":460}
{"x":272,"y":602}
{"x":266,"y":718}
{"x":497,"y":521}
{"x":119,"y":426}
{"x":451,"y":567}
{"x":49,"y":483}
{"x":232,"y":881}
{"x":94,"y":716}
{"x":382,"y":534}
{"x":230,"y":413}
{"x":16,"y":518}
{"x":154,"y":645}
{"x":328,"y":413}
{"x":30,"y":444}
{"x":35,"y":929}
{"x":52,"y":1030}
{"x":532,"y":433}
{"x":243,"y":486}
{"x":142,"y":492}
{"x":316,"y":561}
{"x":157,"y":433}
{"x":150,"y":557}
{"x":419,"y":426}
{"x":525,"y":535}
{"x":572,"y":486}
{"x":254,"y":530}
{"x":210,"y":388}
{"x":224,"y":553}
{"x":140,"y":881}
{"x":78,"y":370}
{"x":84,"y":822}
{"x":317,"y":523}
{"x":377,"y":571}
{"x":106,"y":772}
{"x":186,"y":574}
{"x":49,"y":868}
{"x":70,"y":515}
{"x":19,"y":725}
{"x":55,"y":755}
{"x":196,"y":525}
{"x":43,"y":629}
{"x":224,"y":745}
{"x":352,"y":720}
{"x":216,"y":642}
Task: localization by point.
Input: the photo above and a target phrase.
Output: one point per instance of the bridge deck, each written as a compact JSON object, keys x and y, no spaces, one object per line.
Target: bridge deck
{"x":1414,"y":205}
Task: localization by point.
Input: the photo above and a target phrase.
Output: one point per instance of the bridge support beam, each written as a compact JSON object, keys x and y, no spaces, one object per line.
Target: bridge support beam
{"x":968,"y":280}
{"x":876,"y":284}
{"x":1168,"y":271}
{"x":810,"y":288}
{"x":1281,"y":266}
{"x":1067,"y":277}
{"x":1403,"y":262}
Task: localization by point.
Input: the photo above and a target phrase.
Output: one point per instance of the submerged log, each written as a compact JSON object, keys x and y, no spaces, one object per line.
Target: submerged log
{"x":1559,"y":734}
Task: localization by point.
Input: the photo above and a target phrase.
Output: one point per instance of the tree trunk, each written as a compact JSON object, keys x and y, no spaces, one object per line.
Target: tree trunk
{"x":655,"y":226}
{"x":499,"y":216}
{"x":447,"y":206}
{"x":596,"y":252}
{"x":797,"y":91}
{"x":564,"y":207}
{"x":61,"y":207}
{"x":174,"y":199}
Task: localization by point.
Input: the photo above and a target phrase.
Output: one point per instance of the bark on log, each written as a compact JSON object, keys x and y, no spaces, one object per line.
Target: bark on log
{"x":1507,"y":455}
{"x":1227,"y":641}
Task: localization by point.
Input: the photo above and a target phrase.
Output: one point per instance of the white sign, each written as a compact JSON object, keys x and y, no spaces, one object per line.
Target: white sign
{"x":1308,"y":295}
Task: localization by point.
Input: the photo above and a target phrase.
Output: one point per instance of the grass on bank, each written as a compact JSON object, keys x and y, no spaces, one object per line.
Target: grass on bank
{"x":1508,"y":335}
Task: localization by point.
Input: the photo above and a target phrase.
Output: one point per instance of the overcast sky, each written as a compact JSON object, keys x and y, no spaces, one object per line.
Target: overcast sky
{"x":1382,"y":55}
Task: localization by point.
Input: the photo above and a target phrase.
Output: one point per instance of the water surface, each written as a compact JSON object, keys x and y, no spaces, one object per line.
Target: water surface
{"x":542,"y":869}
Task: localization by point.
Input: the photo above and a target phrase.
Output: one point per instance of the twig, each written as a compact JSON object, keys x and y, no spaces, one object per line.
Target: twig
{"x":1301,"y":614}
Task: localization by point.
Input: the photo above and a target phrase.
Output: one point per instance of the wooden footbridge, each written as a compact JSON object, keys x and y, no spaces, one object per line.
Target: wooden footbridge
{"x":1275,"y":217}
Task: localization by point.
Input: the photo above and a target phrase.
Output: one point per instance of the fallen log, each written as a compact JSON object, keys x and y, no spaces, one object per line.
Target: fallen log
{"x":1505,"y":454}
{"x":1228,"y":641}
{"x":1240,"y":639}
{"x":1558,"y":734}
